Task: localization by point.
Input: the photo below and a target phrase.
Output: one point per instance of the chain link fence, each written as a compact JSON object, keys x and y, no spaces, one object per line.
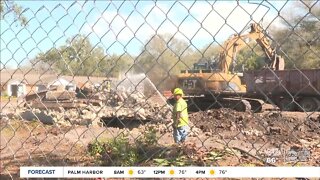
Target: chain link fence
{"x":88,"y":83}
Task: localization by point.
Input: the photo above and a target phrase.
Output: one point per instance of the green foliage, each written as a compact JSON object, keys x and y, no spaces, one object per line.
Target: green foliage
{"x":121,"y":152}
{"x":80,"y":58}
{"x":96,"y":148}
{"x":117,"y":152}
{"x":250,"y":59}
{"x":179,"y":161}
{"x":8,"y":7}
{"x":164,"y":56}
{"x":4,"y":94}
{"x":149,"y":137}
{"x":300,"y":49}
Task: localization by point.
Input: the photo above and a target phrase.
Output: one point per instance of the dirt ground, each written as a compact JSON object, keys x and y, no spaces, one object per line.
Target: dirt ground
{"x":252,"y":137}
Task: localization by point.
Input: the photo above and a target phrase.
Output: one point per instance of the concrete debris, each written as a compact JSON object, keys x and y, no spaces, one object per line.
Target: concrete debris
{"x":68,"y":111}
{"x":275,"y":115}
{"x":274,"y":130}
{"x":194,"y":131}
{"x":4,"y":118}
{"x":60,"y":95}
{"x":252,"y":132}
{"x":37,"y":116}
{"x":130,"y":108}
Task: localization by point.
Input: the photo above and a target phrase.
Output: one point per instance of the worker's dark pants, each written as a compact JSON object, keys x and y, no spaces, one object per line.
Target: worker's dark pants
{"x":180,"y":134}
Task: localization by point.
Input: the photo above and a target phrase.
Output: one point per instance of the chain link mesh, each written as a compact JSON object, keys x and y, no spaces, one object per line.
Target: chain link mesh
{"x":88,"y":83}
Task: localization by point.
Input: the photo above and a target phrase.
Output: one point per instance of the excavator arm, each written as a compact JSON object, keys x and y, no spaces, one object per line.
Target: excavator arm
{"x":211,"y":86}
{"x":237,"y":42}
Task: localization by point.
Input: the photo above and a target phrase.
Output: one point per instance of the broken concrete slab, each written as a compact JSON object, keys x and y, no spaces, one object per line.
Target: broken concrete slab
{"x":56,"y":105}
{"x":60,"y":95}
{"x":37,"y":116}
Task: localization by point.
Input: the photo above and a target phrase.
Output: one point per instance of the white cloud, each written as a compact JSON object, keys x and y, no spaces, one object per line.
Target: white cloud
{"x":214,"y":20}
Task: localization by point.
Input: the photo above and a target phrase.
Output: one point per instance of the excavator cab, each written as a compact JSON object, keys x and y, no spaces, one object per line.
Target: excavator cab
{"x":207,"y":65}
{"x":201,"y":66}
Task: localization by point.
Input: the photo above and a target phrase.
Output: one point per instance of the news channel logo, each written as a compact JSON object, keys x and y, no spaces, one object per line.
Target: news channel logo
{"x":291,"y":155}
{"x":294,"y":155}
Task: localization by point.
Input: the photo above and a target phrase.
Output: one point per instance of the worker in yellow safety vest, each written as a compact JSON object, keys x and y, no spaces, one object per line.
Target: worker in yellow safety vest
{"x":180,"y":117}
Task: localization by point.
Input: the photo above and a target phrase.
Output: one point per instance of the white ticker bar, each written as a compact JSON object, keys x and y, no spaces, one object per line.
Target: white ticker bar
{"x":169,"y":172}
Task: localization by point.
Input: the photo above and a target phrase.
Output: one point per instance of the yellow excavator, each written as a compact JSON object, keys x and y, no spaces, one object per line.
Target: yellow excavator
{"x":216,"y":85}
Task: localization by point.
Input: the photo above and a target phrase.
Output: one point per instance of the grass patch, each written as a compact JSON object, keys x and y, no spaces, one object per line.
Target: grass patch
{"x":10,"y":127}
{"x":7,"y":98}
{"x":117,"y":152}
{"x":121,"y":151}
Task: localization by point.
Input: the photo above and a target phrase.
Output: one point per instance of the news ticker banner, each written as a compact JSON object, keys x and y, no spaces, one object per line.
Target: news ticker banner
{"x":169,"y":172}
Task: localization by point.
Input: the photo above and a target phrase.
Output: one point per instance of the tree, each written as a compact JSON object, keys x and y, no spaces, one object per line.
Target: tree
{"x":299,"y":42}
{"x":8,"y":7}
{"x":80,"y":58}
{"x":210,"y":51}
{"x":162,"y":58}
{"x":250,"y":59}
{"x":118,"y":65}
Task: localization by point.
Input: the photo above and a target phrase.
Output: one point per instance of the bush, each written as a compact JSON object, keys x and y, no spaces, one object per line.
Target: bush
{"x":120,"y":152}
{"x":116,"y":152}
{"x":96,"y":148}
{"x":149,"y":137}
{"x":146,"y":151}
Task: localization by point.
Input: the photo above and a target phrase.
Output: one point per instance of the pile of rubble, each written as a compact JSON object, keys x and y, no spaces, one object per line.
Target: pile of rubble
{"x":256,"y":127}
{"x":116,"y":105}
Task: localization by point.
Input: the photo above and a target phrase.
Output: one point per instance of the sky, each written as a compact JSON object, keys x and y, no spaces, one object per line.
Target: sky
{"x":125,"y":26}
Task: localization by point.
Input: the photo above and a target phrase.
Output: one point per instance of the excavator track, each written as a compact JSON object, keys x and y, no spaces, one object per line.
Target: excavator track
{"x":237,"y":104}
{"x":203,"y":103}
{"x":256,"y":104}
